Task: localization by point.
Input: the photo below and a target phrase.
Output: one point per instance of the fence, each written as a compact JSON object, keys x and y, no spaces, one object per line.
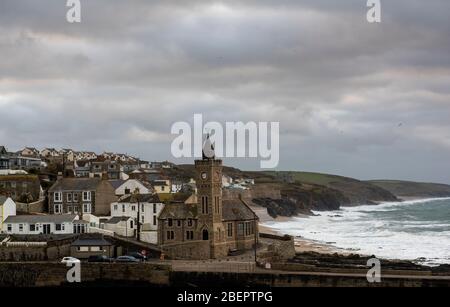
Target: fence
{"x":215,"y":266}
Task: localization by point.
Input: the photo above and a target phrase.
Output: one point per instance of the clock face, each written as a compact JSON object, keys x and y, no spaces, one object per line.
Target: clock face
{"x":204,"y":176}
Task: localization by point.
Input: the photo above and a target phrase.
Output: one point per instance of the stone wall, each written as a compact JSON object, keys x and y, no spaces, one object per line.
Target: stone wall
{"x":279,"y":248}
{"x":97,"y":274}
{"x":195,"y":250}
{"x":34,"y":253}
{"x":35,"y":207}
{"x":54,"y":274}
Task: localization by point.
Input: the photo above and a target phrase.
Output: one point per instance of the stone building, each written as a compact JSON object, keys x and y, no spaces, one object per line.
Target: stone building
{"x":21,"y":187}
{"x":209,"y":228}
{"x":81,"y":195}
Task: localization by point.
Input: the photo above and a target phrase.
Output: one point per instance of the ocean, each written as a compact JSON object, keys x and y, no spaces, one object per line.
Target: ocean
{"x":417,"y":230}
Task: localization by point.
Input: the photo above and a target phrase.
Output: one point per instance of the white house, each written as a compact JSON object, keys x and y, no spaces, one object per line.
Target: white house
{"x":162,"y":186}
{"x":129,"y":186}
{"x":149,"y":210}
{"x":7,"y":209}
{"x":124,"y":226}
{"x":44,"y":224}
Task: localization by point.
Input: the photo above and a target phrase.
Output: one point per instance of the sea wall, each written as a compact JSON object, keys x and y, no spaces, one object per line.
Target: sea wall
{"x":55,"y":274}
{"x":96,"y":274}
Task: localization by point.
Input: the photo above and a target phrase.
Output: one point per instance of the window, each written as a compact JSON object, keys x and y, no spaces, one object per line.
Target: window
{"x":13,"y":184}
{"x":87,"y":196}
{"x":205,"y":235}
{"x":83,"y":248}
{"x":58,"y":209}
{"x":95,"y":248}
{"x":179,"y":223}
{"x":58,"y":227}
{"x":123,"y":208}
{"x":20,"y":227}
{"x":142,"y":208}
{"x":9,"y":227}
{"x":189,"y":235}
{"x":170,"y":222}
{"x":69,"y":197}
{"x":189,"y":223}
{"x":75,"y":209}
{"x":162,"y":188}
{"x":240,"y":231}
{"x":24,"y":185}
{"x":69,"y":209}
{"x":87,"y":208}
{"x":142,"y":219}
{"x":133,"y":208}
{"x":154,"y":208}
{"x":230,"y":230}
{"x":170,"y":235}
{"x":154,"y":220}
{"x":75,"y":197}
{"x":115,"y":208}
{"x":57,"y":197}
{"x":32,"y":227}
{"x":127,"y":191}
{"x":247,"y":229}
{"x":204,"y":204}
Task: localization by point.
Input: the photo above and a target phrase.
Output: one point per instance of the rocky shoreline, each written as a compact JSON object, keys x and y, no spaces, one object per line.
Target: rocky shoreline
{"x":306,"y":247}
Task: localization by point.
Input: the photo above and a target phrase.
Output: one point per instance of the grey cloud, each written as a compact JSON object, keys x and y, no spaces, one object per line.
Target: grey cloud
{"x":351,"y":97}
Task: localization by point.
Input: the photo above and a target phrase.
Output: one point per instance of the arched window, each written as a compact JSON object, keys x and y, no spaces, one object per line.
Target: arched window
{"x":205,"y":234}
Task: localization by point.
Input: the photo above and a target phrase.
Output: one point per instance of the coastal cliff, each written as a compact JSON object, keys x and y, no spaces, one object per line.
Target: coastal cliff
{"x":293,"y":193}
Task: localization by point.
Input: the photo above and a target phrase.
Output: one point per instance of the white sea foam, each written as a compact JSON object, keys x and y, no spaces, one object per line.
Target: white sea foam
{"x":388,"y":230}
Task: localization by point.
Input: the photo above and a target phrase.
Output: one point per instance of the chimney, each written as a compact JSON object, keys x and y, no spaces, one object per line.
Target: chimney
{"x":60,"y":175}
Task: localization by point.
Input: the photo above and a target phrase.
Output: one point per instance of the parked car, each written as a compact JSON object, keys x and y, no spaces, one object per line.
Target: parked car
{"x":138,"y":256}
{"x":127,"y":259}
{"x":69,"y":260}
{"x":100,"y":258}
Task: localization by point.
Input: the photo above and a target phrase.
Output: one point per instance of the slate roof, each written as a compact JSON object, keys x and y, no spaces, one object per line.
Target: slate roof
{"x":91,"y":242}
{"x":2,"y":199}
{"x":75,"y":184}
{"x":236,"y":209}
{"x":64,"y":218}
{"x":143,"y":198}
{"x":178,"y":211}
{"x":116,"y":183}
{"x":174,"y":197}
{"x":117,"y":219}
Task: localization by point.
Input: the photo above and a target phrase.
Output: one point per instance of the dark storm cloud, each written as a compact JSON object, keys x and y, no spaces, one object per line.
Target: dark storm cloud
{"x":358,"y":99}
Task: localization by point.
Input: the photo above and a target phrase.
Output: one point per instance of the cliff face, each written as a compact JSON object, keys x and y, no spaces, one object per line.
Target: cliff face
{"x":289,"y":199}
{"x":293,"y":193}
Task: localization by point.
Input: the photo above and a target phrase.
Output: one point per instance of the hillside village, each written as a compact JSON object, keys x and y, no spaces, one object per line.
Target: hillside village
{"x":47,"y":193}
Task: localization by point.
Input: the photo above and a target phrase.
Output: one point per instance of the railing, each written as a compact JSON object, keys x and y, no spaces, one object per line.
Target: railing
{"x":26,"y":244}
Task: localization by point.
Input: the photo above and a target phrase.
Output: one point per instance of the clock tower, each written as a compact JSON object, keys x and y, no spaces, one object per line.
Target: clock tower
{"x":209,"y":195}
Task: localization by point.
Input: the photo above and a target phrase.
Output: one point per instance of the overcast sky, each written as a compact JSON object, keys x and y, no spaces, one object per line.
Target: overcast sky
{"x":352,"y":98}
